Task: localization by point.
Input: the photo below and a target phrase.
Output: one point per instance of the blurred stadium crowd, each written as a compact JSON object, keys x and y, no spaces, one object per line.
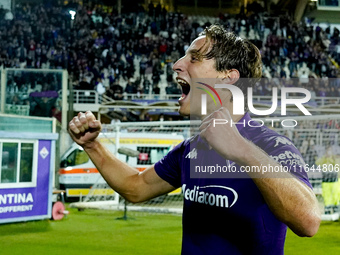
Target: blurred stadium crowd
{"x":134,"y":52}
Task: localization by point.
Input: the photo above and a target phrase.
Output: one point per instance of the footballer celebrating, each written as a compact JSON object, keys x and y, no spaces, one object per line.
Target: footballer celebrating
{"x":243,"y":213}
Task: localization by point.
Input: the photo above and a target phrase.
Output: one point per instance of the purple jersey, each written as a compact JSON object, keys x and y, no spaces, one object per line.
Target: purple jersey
{"x":228,"y":215}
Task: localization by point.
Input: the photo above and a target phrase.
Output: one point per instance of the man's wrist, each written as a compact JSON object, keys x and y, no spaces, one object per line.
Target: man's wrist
{"x":90,"y":146}
{"x":245,"y":153}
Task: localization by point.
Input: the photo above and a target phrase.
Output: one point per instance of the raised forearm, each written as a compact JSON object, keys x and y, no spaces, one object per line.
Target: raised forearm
{"x":129,"y":182}
{"x":119,"y":175}
{"x":291,"y":200}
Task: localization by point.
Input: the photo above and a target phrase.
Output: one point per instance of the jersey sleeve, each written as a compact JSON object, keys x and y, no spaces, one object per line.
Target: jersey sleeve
{"x":169,"y":167}
{"x":283,"y":151}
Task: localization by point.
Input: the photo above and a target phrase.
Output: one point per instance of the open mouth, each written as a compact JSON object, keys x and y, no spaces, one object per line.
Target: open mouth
{"x":185,"y":88}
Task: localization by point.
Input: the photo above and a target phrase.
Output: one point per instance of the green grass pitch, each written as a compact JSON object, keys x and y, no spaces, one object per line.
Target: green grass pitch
{"x":98,"y":232}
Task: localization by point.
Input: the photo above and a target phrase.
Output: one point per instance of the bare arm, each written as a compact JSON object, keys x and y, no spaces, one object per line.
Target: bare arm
{"x":133,"y":185}
{"x":289,"y":199}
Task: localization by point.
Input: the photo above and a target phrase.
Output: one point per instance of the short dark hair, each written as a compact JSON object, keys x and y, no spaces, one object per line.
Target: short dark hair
{"x":232,"y":52}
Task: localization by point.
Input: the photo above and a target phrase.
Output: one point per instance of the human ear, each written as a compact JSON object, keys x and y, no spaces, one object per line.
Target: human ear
{"x":231,"y":76}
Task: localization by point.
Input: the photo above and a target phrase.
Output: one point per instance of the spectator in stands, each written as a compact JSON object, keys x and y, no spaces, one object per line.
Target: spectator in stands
{"x":140,"y":90}
{"x":146,"y":86}
{"x":41,"y":36}
{"x":15,"y":100}
{"x":84,"y":84}
{"x":130,"y":88}
{"x":12,"y":87}
{"x":143,"y":64}
{"x":169,"y":72}
{"x":22,"y":54}
{"x":303,"y":78}
{"x":173,"y":89}
{"x":156,"y":70}
{"x":57,"y":110}
{"x":115,"y":91}
{"x":43,"y":106}
{"x":156,"y":91}
{"x":100,"y":86}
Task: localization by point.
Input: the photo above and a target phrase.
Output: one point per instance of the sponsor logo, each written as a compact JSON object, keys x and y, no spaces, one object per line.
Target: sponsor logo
{"x":16,"y":198}
{"x":226,"y":198}
{"x":192,"y":154}
{"x":289,"y":158}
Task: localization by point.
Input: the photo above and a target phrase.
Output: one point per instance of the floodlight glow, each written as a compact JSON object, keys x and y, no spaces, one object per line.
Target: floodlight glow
{"x":72,"y":13}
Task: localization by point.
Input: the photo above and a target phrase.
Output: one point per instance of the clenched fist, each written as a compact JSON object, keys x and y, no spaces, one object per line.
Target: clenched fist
{"x":84,"y":128}
{"x":223,"y":137}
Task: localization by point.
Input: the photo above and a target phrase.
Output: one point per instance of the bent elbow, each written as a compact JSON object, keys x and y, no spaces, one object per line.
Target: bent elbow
{"x":132,"y":198}
{"x":311,"y":227}
{"x":314,"y":226}
{"x":135,"y":197}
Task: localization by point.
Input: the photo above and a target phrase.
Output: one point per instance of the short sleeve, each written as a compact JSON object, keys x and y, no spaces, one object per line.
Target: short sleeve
{"x":169,"y":167}
{"x":283,"y":151}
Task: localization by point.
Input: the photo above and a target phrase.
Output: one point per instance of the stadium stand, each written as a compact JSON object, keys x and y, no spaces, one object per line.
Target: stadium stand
{"x":132,"y":53}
